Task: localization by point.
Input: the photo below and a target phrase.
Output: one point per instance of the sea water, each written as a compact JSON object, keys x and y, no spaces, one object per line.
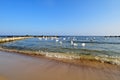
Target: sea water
{"x":100,"y":47}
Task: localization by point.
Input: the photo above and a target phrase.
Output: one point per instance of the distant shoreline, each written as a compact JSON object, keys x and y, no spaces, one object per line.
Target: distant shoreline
{"x":56,"y":35}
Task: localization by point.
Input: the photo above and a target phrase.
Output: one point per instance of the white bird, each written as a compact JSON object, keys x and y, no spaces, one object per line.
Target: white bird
{"x":83,"y":44}
{"x":40,"y":38}
{"x":71,"y":42}
{"x":60,"y":42}
{"x":52,"y":38}
{"x":64,"y":38}
{"x":45,"y":38}
{"x":57,"y":40}
{"x":74,"y":44}
{"x":74,"y":39}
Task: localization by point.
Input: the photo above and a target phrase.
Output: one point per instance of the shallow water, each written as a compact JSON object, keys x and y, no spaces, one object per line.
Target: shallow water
{"x":105,"y":48}
{"x":1,"y":37}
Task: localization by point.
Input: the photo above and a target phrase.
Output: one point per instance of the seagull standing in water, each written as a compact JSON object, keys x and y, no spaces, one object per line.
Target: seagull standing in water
{"x":60,"y":42}
{"x":56,"y":40}
{"x":40,"y":38}
{"x":83,"y":44}
{"x":74,"y":44}
{"x":71,"y":42}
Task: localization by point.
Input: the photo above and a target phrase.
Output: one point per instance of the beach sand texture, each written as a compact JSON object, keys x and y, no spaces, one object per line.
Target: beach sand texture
{"x":23,"y":67}
{"x":2,"y":78}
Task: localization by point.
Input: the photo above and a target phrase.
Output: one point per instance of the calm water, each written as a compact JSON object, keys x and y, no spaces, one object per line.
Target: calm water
{"x":1,"y":37}
{"x":106,"y":48}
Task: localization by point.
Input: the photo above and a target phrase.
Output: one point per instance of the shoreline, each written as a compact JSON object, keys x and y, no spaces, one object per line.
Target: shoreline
{"x":15,"y":66}
{"x":77,"y":62}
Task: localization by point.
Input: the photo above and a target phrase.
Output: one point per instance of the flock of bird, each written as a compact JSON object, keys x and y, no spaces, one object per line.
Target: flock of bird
{"x":72,"y":42}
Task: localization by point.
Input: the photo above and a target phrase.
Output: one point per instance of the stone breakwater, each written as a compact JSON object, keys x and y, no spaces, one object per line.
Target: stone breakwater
{"x":2,"y":40}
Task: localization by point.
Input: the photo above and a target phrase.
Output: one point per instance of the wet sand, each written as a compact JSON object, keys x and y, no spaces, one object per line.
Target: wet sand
{"x":23,"y":67}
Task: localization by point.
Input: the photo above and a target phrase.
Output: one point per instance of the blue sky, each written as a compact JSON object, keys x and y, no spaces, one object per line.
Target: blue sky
{"x":60,"y":17}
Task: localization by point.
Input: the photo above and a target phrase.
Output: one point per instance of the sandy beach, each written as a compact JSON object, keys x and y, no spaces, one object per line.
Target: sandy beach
{"x":23,"y":67}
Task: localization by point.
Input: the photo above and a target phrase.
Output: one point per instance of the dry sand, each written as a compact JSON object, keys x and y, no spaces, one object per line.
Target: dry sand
{"x":22,"y":67}
{"x":2,"y":78}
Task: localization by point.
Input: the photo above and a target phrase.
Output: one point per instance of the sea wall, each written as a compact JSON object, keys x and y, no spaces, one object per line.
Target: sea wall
{"x":9,"y":39}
